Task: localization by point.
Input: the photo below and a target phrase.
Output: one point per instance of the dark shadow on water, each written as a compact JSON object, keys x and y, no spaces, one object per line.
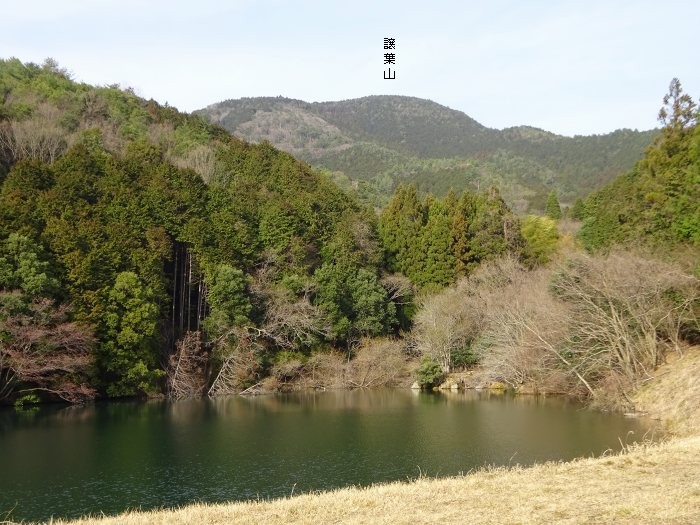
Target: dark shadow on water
{"x":70,"y":461}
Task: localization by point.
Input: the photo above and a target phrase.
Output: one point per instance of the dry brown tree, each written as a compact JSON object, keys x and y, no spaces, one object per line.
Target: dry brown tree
{"x":595,"y":326}
{"x":43,"y":351}
{"x":590,"y":326}
{"x":37,"y":137}
{"x":187,"y":367}
{"x":400,"y":290}
{"x":240,"y":367}
{"x":455,"y":318}
{"x":377,"y":362}
{"x":627,"y":312}
{"x":201,"y":159}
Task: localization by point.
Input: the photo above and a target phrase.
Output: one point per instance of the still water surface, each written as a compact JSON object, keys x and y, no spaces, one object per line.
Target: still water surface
{"x":66,"y":462}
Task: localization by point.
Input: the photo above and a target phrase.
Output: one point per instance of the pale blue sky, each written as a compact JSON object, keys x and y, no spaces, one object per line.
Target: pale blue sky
{"x":572,"y":67}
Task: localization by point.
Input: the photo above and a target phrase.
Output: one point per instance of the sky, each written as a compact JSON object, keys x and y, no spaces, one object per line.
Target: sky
{"x":570,"y":67}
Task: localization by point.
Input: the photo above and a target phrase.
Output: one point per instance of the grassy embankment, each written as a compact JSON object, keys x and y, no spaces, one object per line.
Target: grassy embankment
{"x":651,"y":483}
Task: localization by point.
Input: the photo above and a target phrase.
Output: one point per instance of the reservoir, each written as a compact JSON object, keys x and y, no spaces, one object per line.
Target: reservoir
{"x":108,"y":457}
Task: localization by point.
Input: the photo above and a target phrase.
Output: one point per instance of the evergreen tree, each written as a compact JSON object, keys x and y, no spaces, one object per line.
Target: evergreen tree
{"x":541,"y":236}
{"x":486,"y":233}
{"x":578,"y":211}
{"x":436,"y":245}
{"x":553,"y":210}
{"x":227,"y":299}
{"x":373,"y":313}
{"x":23,"y":266}
{"x":464,"y":215}
{"x":657,"y":202}
{"x":401,"y":226}
{"x":128,"y":356}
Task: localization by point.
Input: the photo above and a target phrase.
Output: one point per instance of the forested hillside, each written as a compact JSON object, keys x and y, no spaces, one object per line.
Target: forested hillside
{"x":658,"y":202}
{"x":373,"y":144}
{"x":143,"y":250}
{"x":113,"y":245}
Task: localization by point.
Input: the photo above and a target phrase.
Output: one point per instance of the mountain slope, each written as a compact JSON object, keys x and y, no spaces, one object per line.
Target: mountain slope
{"x":126,"y":227}
{"x":658,"y":202}
{"x":373,"y":143}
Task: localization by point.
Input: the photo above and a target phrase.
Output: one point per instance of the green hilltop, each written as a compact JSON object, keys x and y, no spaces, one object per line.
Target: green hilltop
{"x":373,"y":144}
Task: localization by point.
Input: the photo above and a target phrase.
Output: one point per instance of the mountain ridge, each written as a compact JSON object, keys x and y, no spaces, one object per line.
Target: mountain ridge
{"x":373,"y":143}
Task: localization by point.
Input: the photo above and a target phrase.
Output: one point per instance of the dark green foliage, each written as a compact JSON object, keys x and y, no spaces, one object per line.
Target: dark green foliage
{"x":553,"y":209}
{"x":658,"y":202}
{"x":578,"y":210}
{"x":227,"y":298}
{"x":19,"y":210}
{"x":401,"y":230}
{"x":127,"y":357}
{"x":436,"y":246}
{"x":23,"y":266}
{"x":484,"y":228}
{"x":434,"y":242}
{"x":429,"y":374}
{"x":381,"y":142}
{"x":373,"y":313}
{"x":112,"y":209}
{"x":354,"y":301}
{"x":464,"y":358}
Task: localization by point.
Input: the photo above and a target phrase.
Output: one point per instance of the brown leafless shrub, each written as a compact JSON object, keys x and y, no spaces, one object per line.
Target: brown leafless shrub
{"x":288,"y":370}
{"x":186,"y":370}
{"x":627,"y":311}
{"x":201,"y":160}
{"x":455,"y":318}
{"x":240,"y":366}
{"x":443,"y":325}
{"x":592,"y":327}
{"x":525,"y":328}
{"x":43,"y":351}
{"x":567,"y":226}
{"x":38,"y":137}
{"x":377,"y":362}
{"x":324,"y":370}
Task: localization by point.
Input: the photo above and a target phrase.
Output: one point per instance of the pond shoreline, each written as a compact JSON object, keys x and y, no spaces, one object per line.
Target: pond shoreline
{"x":647,"y":483}
{"x":644,"y":484}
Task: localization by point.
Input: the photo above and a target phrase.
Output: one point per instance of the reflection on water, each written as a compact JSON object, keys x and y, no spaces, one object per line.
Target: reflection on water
{"x":111,"y":456}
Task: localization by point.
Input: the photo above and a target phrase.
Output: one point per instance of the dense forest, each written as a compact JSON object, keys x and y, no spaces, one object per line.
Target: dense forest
{"x":144,"y":251}
{"x":658,"y":202}
{"x":374,"y":144}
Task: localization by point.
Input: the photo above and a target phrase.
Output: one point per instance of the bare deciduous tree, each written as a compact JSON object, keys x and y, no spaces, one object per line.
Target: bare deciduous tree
{"x":592,"y":326}
{"x":378,"y":362}
{"x":44,"y":351}
{"x":292,"y":322}
{"x":202,"y":160}
{"x":240,"y":365}
{"x":38,"y":137}
{"x":629,"y":308}
{"x":187,"y":368}
{"x":399,"y":289}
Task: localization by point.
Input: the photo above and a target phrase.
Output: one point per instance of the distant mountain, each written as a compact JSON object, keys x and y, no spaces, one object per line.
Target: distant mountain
{"x":371,"y":144}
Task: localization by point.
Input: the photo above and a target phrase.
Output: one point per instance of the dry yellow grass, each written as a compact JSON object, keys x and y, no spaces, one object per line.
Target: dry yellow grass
{"x":648,"y":484}
{"x":673,"y":396}
{"x":657,"y":483}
